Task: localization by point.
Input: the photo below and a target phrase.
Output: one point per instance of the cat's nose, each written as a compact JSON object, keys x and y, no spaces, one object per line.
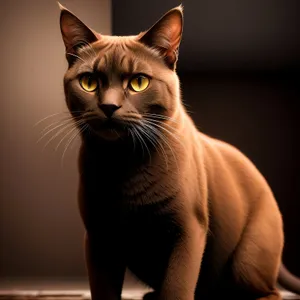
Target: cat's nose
{"x":109,"y":109}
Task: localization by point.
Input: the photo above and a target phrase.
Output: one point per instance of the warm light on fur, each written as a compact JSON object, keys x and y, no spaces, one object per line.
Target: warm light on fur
{"x":156,"y":195}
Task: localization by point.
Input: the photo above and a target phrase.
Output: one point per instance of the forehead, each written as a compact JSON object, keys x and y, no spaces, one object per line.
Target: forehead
{"x":122,"y":55}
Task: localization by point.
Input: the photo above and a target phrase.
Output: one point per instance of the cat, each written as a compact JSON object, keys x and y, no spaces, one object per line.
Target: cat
{"x":189,"y":215}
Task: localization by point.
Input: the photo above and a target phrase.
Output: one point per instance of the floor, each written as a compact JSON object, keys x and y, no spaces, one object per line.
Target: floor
{"x":59,"y":288}
{"x":66,"y":289}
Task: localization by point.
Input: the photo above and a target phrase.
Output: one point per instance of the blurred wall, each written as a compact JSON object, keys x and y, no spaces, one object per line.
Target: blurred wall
{"x":239,"y":67}
{"x":223,"y":35}
{"x":40,"y":228}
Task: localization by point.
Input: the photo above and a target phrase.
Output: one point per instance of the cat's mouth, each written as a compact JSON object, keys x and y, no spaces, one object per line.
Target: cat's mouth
{"x":110,"y":129}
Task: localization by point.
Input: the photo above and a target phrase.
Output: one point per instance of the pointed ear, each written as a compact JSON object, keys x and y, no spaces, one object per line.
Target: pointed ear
{"x":165,"y":35}
{"x":74,"y":32}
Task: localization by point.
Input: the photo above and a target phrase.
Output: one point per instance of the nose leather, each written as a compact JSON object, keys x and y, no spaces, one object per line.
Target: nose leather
{"x":111,"y":101}
{"x":109,"y":109}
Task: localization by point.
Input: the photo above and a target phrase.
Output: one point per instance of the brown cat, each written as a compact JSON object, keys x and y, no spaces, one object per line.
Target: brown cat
{"x":189,"y":215}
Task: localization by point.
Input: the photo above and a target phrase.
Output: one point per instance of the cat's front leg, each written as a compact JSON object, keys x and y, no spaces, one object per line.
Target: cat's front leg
{"x":106,"y":268}
{"x":184,"y":264}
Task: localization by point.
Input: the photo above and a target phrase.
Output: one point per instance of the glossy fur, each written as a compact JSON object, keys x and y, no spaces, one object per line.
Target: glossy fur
{"x":189,"y":215}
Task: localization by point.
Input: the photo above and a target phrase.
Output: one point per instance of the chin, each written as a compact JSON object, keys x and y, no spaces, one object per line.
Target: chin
{"x":109,"y":131}
{"x":110,"y":134}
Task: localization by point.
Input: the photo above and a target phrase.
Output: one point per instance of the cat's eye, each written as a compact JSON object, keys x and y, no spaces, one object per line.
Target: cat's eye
{"x":139,"y":83}
{"x":89,"y":82}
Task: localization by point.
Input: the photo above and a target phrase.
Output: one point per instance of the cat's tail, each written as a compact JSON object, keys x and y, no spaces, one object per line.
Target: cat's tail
{"x":288,"y":281}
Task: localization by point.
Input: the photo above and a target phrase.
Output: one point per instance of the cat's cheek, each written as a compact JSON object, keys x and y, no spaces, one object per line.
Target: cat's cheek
{"x":137,"y":101}
{"x":83,"y":97}
{"x":75,"y":101}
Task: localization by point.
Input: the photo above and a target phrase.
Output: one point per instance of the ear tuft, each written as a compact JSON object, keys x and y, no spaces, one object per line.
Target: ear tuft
{"x":74,"y":32}
{"x":60,"y":6}
{"x":179,"y":8}
{"x":165,"y":35}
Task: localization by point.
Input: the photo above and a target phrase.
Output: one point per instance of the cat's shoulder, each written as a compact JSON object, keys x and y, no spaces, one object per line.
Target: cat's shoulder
{"x":220,"y":156}
{"x":219,"y":145}
{"x":219,"y":149}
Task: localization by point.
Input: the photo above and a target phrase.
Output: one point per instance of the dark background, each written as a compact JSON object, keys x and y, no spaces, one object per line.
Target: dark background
{"x":239,"y":67}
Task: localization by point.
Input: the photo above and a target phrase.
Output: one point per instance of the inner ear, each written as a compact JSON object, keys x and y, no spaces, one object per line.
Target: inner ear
{"x":165,"y":35}
{"x":74,"y":32}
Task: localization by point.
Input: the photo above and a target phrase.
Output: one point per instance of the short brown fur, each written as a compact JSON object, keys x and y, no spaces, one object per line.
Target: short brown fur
{"x":189,"y":215}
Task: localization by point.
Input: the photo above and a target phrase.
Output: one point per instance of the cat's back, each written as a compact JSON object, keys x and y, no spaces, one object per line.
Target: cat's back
{"x":234,"y":182}
{"x":224,"y":158}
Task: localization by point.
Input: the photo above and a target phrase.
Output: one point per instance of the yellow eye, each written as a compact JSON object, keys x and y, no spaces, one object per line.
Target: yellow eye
{"x":139,"y":83}
{"x":89,"y":82}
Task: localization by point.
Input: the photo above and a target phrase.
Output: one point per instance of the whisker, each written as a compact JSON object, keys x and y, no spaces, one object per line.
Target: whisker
{"x":65,"y":121}
{"x":158,"y":137}
{"x":133,"y":138}
{"x":164,"y":139}
{"x":71,"y":140}
{"x":55,"y":135}
{"x":145,"y":133}
{"x":86,"y":43}
{"x":72,"y":144}
{"x":189,"y":111}
{"x":139,"y":139}
{"x":172,"y":134}
{"x":68,"y":53}
{"x":70,"y":132}
{"x":144,"y":143}
{"x":116,"y":132}
{"x":50,"y":116}
{"x":158,"y":116}
{"x":160,"y":125}
{"x":185,"y":104}
{"x":55,"y":123}
{"x":81,"y":130}
{"x":159,"y":122}
{"x":156,"y":140}
{"x":67,"y":126}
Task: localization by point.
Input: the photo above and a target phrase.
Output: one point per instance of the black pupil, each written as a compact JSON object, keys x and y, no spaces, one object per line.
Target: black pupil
{"x":139,"y":80}
{"x":90,"y":80}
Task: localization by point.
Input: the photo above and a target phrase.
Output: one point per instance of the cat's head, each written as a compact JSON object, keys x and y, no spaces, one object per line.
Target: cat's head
{"x":121,"y":86}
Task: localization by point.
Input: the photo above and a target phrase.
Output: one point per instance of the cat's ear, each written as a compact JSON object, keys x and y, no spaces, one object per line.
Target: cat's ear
{"x":74,"y":32}
{"x":165,"y":35}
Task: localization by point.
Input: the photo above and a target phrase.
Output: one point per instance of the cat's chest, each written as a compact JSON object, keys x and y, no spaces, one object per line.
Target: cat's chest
{"x":140,"y":203}
{"x":152,"y":224}
{"x":149,"y":239}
